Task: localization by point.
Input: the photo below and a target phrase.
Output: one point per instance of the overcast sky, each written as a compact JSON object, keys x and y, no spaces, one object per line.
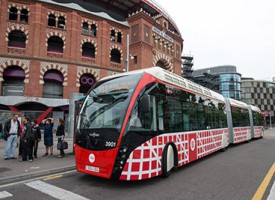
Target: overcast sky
{"x":223,"y":32}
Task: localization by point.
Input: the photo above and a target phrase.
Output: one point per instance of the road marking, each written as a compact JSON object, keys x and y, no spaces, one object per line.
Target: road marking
{"x":38,"y":178}
{"x":271,"y":195}
{"x":5,"y":194}
{"x":52,"y":177}
{"x":54,"y":191}
{"x":261,"y":190}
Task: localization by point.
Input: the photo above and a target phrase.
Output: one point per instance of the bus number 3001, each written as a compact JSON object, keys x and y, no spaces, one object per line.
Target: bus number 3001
{"x":110,"y":144}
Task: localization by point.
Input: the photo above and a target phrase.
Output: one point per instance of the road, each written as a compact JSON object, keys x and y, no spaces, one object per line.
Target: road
{"x":234,"y":174}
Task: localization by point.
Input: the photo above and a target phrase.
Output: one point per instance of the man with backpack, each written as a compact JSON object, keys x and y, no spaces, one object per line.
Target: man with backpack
{"x":27,"y":140}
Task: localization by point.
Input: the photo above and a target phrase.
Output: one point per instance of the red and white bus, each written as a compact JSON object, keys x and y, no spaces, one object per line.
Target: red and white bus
{"x":145,"y":123}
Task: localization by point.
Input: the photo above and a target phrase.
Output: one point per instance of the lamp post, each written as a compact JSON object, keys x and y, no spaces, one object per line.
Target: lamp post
{"x":270,"y":120}
{"x":127,"y":53}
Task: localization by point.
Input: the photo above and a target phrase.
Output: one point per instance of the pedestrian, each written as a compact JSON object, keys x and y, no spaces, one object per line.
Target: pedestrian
{"x":26,"y":141}
{"x":11,"y":131}
{"x":60,"y":133}
{"x":20,"y":136}
{"x":48,"y":136}
{"x":37,"y":133}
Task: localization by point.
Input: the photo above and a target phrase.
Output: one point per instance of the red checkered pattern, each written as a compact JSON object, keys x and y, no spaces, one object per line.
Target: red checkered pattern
{"x":210,"y":141}
{"x":145,"y":161}
{"x":258,"y":131}
{"x":241,"y":134}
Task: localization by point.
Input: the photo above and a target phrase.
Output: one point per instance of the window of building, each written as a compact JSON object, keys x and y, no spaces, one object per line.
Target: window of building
{"x":93,"y":30}
{"x":53,"y":84}
{"x":55,"y":44}
{"x":13,"y":13}
{"x":119,"y":37}
{"x":13,"y":84}
{"x":86,"y":82}
{"x":61,"y":22}
{"x":115,"y":56}
{"x":51,"y":20}
{"x":85,"y":28}
{"x":17,"y":38}
{"x":88,"y":50}
{"x":113,"y":36}
{"x":24,"y":16}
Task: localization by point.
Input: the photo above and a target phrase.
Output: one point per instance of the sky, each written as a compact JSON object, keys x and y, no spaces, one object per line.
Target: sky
{"x":228,"y":32}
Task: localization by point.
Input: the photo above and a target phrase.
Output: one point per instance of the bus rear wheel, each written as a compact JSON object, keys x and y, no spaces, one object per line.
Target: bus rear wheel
{"x":169,"y":159}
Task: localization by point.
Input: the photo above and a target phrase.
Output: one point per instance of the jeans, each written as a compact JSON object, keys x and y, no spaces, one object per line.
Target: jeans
{"x":26,"y":150}
{"x":35,"y":147}
{"x":10,"y":146}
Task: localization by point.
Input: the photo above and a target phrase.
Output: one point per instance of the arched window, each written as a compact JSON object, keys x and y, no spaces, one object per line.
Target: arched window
{"x":51,"y":20}
{"x":161,"y":64}
{"x":55,"y":44}
{"x":113,"y":35}
{"x":13,"y":13}
{"x":119,"y":37}
{"x":85,"y":28}
{"x":115,"y":56}
{"x":53,"y":84}
{"x":61,"y":22}
{"x":17,"y":38}
{"x":24,"y":17}
{"x":86,"y":82}
{"x":93,"y":30}
{"x":13,"y":84}
{"x":88,"y":50}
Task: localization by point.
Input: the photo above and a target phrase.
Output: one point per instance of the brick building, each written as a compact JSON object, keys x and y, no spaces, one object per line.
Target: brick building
{"x":52,"y":48}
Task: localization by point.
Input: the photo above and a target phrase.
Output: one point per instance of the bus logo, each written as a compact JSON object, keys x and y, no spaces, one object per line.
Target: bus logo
{"x":192,"y":144}
{"x":92,"y":158}
{"x":94,"y":135}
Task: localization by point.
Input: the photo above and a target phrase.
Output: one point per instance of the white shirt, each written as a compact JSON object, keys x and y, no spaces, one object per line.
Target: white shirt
{"x":14,"y":127}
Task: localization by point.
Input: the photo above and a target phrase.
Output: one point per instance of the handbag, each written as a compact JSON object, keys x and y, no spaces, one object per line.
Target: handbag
{"x":62,"y":145}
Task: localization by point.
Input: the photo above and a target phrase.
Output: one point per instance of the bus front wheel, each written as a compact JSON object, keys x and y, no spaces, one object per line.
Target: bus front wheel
{"x":169,"y":159}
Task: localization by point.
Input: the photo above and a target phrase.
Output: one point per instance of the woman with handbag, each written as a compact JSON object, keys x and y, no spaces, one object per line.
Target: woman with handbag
{"x":60,"y":133}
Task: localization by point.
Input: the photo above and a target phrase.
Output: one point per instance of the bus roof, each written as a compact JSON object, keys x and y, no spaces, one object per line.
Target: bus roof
{"x":173,"y":79}
{"x":236,"y":103}
{"x":255,"y":109}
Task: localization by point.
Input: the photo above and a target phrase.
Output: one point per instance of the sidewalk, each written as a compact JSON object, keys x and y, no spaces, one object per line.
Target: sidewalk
{"x":13,"y":170}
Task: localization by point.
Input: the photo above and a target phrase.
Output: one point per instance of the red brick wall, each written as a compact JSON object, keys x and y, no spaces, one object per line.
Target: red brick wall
{"x":36,"y":50}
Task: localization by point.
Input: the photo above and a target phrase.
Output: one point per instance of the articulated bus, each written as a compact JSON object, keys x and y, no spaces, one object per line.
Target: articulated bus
{"x":145,"y":123}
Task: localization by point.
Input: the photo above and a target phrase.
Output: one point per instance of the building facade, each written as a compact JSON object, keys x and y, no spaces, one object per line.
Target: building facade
{"x":261,"y":94}
{"x":51,"y":48}
{"x":187,"y":65}
{"x":222,"y":79}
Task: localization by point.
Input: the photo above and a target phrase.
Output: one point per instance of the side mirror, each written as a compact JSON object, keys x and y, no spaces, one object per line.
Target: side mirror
{"x":145,"y":103}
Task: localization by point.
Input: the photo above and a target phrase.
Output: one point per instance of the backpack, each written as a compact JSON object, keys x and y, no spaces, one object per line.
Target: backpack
{"x":32,"y":135}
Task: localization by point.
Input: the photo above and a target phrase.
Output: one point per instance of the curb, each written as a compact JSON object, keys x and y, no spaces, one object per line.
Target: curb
{"x":11,"y":179}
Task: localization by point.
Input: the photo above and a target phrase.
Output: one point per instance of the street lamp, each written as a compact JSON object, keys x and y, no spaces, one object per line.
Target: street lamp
{"x":128,"y":55}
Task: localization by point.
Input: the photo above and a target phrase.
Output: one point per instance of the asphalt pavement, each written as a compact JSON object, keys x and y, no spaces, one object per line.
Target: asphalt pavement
{"x":13,"y":170}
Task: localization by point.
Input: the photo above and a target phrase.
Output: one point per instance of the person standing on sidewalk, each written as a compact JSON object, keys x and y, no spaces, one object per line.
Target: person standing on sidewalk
{"x":48,"y":136}
{"x":60,"y":133}
{"x":37,"y":134}
{"x":11,"y":130}
{"x":26,"y":140}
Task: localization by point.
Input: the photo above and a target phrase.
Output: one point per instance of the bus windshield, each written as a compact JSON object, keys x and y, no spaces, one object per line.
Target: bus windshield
{"x":105,"y":108}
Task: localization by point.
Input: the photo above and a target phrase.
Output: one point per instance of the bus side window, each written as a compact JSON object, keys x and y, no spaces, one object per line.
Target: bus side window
{"x":160,"y":115}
